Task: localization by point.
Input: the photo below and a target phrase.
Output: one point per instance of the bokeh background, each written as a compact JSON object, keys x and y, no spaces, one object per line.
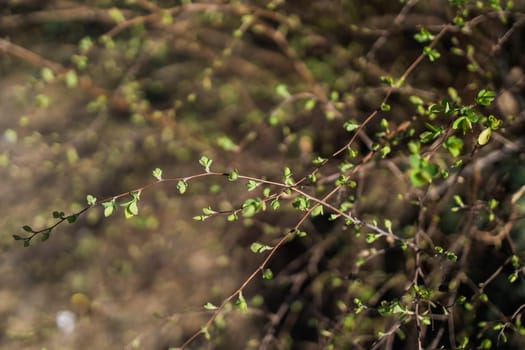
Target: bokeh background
{"x":96,"y":94}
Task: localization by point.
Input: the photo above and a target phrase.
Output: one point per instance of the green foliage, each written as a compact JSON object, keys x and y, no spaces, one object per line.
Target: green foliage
{"x":367,"y":145}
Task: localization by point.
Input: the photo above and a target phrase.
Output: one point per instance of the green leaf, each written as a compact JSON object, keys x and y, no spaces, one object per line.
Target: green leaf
{"x":387,"y":80}
{"x":309,"y":104}
{"x":91,"y":200}
{"x":210,"y":306}
{"x":233,"y":175}
{"x":208,"y":211}
{"x":302,"y":203}
{"x":431,"y":53}
{"x":371,"y":237}
{"x":45,"y":235}
{"x":484,"y":136}
{"x":282,"y":90}
{"x":182,"y":186}
{"x":157,"y":173}
{"x":300,"y":233}
{"x":133,"y":208}
{"x":485,"y":97}
{"x":58,"y":214}
{"x":464,"y":123}
{"x":267,"y":274}
{"x":494,"y":123}
{"x":350,"y":125}
{"x":226,"y":143}
{"x":71,"y":219}
{"x":251,"y":206}
{"x":116,"y":15}
{"x":259,"y":248}
{"x":206,"y":163}
{"x":451,"y":256}
{"x":454,"y":145}
{"x":385,"y":107}
{"x":252,"y":185}
{"x":71,"y":79}
{"x":287,"y":177}
{"x":318,"y":210}
{"x":47,"y":74}
{"x":233,"y":217}
{"x":385,"y":151}
{"x":17,"y":238}
{"x":275,"y":204}
{"x":206,"y":332}
{"x":423,"y":36}
{"x":27,"y":228}
{"x":241,"y":303}
{"x":109,"y":207}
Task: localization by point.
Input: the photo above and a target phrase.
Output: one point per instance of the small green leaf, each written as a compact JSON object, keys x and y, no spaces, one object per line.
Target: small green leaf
{"x":318,"y":160}
{"x":309,"y":104}
{"x":71,"y":79}
{"x":350,"y":125}
{"x":206,"y":163}
{"x":454,"y":145}
{"x":71,"y":219}
{"x":494,"y":123}
{"x":26,"y":243}
{"x":133,"y":208}
{"x":484,"y":136}
{"x":206,"y":332}
{"x":318,"y":210}
{"x":388,"y":225}
{"x":423,"y":36}
{"x":302,"y":203}
{"x":233,"y":217}
{"x":27,"y":228}
{"x":267,"y":274}
{"x":513,"y":277}
{"x":45,"y":236}
{"x":91,"y":200}
{"x":385,"y":107}
{"x":485,"y":97}
{"x":210,"y":306}
{"x":275,"y":204}
{"x":208,"y":211}
{"x":233,"y":175}
{"x":387,"y":80}
{"x":431,"y":53}
{"x":47,"y":74}
{"x":241,"y":303}
{"x":282,"y":90}
{"x":287,"y":177}
{"x":371,"y":238}
{"x":157,"y":173}
{"x":17,"y":238}
{"x":109,"y":207}
{"x":58,"y":214}
{"x":226,"y":143}
{"x":259,"y":248}
{"x":252,"y":185}
{"x":300,"y":233}
{"x":182,"y":186}
{"x":385,"y":151}
{"x":451,"y":256}
{"x":116,"y":15}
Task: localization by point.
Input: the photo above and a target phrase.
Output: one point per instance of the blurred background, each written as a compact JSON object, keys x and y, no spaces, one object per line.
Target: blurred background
{"x":96,"y":94}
